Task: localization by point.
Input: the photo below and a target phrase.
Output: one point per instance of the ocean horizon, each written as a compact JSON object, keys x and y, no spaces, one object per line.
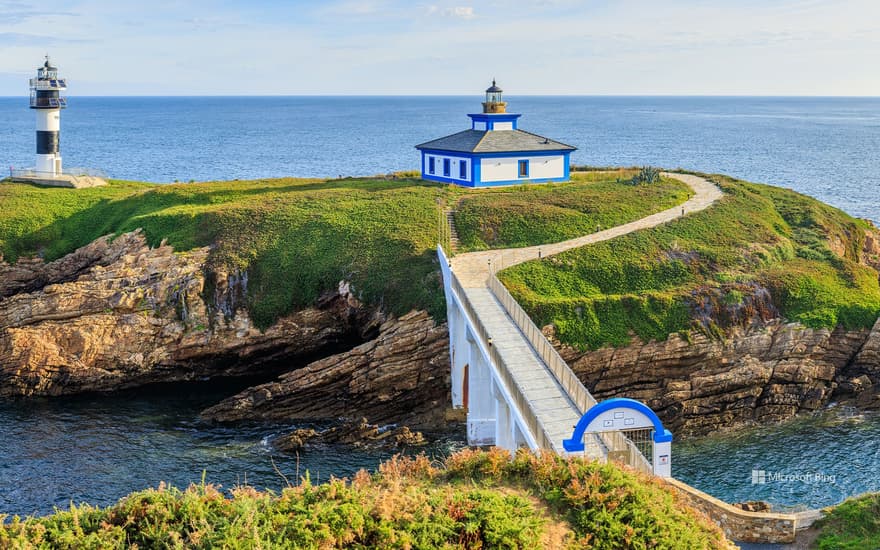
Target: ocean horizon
{"x":822,"y":146}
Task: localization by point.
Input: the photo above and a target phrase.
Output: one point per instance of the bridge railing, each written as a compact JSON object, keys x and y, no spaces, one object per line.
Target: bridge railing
{"x":560,"y":369}
{"x":536,"y":429}
{"x":569,"y":381}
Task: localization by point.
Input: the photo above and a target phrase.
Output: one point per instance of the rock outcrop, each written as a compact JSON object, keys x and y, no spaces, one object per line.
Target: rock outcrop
{"x":359,"y":434}
{"x":117,"y":314}
{"x":402,"y":376}
{"x":758,"y":374}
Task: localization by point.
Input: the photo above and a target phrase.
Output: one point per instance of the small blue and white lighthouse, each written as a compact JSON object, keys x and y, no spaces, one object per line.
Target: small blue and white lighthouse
{"x":495,"y":151}
{"x":46,"y":99}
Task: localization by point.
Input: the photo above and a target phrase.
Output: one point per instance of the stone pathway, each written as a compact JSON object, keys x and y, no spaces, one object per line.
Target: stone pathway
{"x":549,"y":402}
{"x":473,"y":268}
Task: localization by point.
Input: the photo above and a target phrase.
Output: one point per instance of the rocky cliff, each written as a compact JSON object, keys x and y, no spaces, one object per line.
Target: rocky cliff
{"x":118,"y":314}
{"x":762,"y":373}
{"x":402,"y":376}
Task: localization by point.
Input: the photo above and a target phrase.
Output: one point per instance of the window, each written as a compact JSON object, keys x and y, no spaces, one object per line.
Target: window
{"x":430,"y":165}
{"x":523,"y":168}
{"x":462,"y":169}
{"x":446,"y":167}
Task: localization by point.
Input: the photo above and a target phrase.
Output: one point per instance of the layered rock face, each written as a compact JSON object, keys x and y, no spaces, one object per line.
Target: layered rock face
{"x":117,"y":314}
{"x":402,"y":376}
{"x":767,"y":372}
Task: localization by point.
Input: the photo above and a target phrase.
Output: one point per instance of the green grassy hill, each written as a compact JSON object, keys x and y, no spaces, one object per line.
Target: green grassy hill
{"x":298,"y":237}
{"x":852,"y":525}
{"x":475,"y":500}
{"x":760,"y":251}
{"x":514,"y":217}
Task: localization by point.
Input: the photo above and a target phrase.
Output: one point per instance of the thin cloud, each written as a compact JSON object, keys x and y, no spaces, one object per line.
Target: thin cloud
{"x":14,"y":13}
{"x":459,"y":12}
{"x":23,"y":39}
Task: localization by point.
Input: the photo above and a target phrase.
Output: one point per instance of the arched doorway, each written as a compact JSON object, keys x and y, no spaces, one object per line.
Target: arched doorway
{"x":633,"y":419}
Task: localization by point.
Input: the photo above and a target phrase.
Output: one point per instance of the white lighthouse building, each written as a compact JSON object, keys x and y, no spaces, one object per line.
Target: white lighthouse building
{"x":46,"y":99}
{"x":495,"y":151}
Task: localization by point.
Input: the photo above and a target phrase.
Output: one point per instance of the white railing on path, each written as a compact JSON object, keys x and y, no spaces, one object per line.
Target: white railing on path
{"x":557,"y":365}
{"x":522,"y":404}
{"x":566,"y":377}
{"x":574,"y":388}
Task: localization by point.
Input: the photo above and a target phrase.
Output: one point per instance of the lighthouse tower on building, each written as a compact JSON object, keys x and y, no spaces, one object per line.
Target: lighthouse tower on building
{"x":495,"y":151}
{"x":46,"y":99}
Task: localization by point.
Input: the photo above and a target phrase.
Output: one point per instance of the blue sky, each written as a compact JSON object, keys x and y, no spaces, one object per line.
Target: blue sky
{"x":193,"y":47}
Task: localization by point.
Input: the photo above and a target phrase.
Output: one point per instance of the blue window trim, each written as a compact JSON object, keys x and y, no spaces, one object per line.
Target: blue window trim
{"x":447,"y":167}
{"x":519,"y":168}
{"x":431,"y":166}
{"x":474,"y":178}
{"x":462,"y":169}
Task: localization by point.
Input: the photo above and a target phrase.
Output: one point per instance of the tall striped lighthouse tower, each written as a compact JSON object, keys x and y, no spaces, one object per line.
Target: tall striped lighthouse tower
{"x":46,"y":99}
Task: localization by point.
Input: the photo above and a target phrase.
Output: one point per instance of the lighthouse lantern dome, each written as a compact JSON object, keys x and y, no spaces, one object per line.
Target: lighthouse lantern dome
{"x":494,"y":101}
{"x":493,"y":93}
{"x":47,"y":71}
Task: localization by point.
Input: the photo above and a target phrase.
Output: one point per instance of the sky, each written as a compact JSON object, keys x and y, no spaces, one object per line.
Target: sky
{"x":438,"y":47}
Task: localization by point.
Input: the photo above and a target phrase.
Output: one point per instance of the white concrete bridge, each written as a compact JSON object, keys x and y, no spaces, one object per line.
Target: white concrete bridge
{"x":516,"y":388}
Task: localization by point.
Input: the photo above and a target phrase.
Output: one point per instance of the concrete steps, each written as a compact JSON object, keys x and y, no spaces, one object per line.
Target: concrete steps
{"x":454,"y":243}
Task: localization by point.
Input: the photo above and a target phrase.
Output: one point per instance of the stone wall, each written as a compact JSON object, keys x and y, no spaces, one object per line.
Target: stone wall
{"x":742,"y":526}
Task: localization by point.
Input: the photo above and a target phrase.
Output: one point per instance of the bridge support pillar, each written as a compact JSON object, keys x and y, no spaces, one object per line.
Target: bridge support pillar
{"x":459,"y":353}
{"x":505,"y":425}
{"x":481,"y":419}
{"x":508,"y":434}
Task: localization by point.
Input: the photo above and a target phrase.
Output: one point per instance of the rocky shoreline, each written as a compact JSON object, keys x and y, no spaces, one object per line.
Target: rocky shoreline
{"x":765,"y":373}
{"x":119,"y":314}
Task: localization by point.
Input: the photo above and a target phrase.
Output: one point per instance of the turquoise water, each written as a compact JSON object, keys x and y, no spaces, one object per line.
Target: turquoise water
{"x":809,"y":462}
{"x":97,"y":449}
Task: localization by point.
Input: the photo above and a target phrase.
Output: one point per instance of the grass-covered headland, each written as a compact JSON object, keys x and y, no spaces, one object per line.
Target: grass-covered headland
{"x":511,"y":217}
{"x":760,"y":252}
{"x":475,"y":499}
{"x":852,"y":525}
{"x":298,"y":238}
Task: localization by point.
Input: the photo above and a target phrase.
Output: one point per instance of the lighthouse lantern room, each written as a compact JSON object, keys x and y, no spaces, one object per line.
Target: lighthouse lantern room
{"x":46,"y":99}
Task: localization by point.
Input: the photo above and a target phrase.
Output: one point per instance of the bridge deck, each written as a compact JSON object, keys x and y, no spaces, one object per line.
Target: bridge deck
{"x":550,"y":403}
{"x":547,"y":398}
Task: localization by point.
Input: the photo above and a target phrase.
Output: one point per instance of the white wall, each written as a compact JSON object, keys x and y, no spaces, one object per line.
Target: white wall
{"x":47,"y":163}
{"x":48,"y":120}
{"x":454,"y":163}
{"x":502,"y":126}
{"x":507,"y":168}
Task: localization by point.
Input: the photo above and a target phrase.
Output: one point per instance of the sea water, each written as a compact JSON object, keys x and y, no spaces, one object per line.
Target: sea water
{"x":99,"y":448}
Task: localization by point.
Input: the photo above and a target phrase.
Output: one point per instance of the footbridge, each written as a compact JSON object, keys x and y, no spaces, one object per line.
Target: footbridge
{"x":516,"y":388}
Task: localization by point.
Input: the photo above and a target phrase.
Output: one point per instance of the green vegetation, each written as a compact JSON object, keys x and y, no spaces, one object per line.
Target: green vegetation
{"x":646,"y":175}
{"x":539,"y":214}
{"x":476,"y":500}
{"x":852,"y":525}
{"x":759,"y":252}
{"x":297,"y":238}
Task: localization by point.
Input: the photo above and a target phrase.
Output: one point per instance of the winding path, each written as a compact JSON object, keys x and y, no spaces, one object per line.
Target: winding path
{"x":550,"y":401}
{"x":473,"y":268}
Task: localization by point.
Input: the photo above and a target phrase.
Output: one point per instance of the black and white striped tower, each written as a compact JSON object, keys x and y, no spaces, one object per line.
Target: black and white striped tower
{"x":46,"y":99}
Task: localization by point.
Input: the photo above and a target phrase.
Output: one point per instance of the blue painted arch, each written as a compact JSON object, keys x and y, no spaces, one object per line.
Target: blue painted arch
{"x":576,"y":443}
